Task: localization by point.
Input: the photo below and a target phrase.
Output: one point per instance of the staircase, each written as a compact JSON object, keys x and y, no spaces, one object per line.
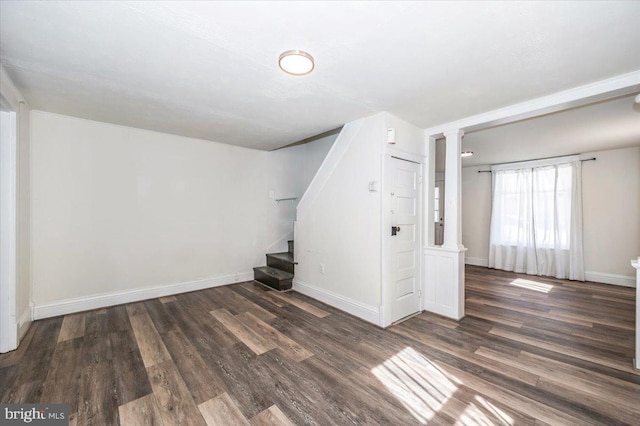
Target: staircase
{"x":278,"y":274}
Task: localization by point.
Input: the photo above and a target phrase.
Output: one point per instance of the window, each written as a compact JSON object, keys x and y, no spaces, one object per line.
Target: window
{"x":535,"y":206}
{"x":536,"y":219}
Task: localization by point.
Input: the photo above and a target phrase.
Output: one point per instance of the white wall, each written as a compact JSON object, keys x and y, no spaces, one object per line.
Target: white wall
{"x":476,"y":214}
{"x":117,"y":209}
{"x":340,"y":224}
{"x":313,"y":155}
{"x":611,"y":212}
{"x":23,"y":278}
{"x":290,"y":170}
{"x":122,"y":214}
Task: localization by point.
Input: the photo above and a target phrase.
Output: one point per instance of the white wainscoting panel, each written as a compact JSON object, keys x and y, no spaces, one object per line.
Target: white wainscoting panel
{"x":444,"y":281}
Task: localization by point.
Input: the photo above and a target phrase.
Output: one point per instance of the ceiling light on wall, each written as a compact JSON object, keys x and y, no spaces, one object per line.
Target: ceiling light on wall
{"x":466,"y":154}
{"x":296,"y":62}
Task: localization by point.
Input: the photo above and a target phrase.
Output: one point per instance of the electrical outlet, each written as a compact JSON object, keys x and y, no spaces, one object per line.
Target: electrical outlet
{"x":322,"y":268}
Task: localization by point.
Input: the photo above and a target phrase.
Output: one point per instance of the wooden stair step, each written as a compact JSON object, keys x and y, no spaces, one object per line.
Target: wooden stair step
{"x":274,"y":278}
{"x":283,"y":261}
{"x":285,"y":257}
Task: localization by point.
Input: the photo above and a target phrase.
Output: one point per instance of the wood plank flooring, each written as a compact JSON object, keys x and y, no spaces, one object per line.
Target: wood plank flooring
{"x":531,"y":351}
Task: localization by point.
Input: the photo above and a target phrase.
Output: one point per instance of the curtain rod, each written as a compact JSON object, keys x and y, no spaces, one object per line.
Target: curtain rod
{"x":489,"y":171}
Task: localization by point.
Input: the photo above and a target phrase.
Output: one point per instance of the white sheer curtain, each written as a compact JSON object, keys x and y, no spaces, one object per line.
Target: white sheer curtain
{"x":536,"y":218}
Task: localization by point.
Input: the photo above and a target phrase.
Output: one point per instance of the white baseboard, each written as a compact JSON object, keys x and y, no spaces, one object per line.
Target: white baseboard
{"x":476,"y":261}
{"x":361,"y":310}
{"x":64,"y":307}
{"x":599,"y":277}
{"x":596,"y":277}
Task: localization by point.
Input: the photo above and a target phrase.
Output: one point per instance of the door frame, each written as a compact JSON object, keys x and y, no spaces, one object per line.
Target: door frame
{"x":8,"y":227}
{"x":385,"y":247}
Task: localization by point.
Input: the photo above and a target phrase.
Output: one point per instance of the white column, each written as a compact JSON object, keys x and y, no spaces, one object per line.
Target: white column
{"x":428,"y":191}
{"x":444,"y":265}
{"x":453,"y":191}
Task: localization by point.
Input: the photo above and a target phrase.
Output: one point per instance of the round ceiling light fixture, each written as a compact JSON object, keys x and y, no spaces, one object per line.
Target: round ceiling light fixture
{"x":466,"y":154}
{"x":296,"y":62}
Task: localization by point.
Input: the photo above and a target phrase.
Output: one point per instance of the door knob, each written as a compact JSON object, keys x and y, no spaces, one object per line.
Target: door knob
{"x":395,"y":230}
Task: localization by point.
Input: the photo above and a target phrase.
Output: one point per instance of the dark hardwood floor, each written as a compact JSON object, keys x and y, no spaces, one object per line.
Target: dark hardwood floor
{"x":530,"y":351}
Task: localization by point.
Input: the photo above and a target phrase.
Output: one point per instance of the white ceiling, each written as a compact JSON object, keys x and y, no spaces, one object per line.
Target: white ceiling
{"x":209,"y":69}
{"x":605,"y":125}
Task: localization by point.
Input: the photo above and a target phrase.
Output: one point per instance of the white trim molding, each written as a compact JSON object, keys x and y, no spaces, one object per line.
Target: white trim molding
{"x":69,"y":306}
{"x":361,"y":310}
{"x":476,"y":261}
{"x":614,"y":279}
{"x":598,"y":91}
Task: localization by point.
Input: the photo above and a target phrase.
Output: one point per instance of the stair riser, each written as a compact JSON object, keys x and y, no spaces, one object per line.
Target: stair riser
{"x":274,"y":262}
{"x":274,"y":283}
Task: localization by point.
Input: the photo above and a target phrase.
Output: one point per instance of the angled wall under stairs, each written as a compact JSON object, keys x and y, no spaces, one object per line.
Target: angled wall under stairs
{"x":278,"y":274}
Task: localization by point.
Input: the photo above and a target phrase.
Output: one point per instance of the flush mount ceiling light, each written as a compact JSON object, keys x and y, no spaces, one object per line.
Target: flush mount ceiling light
{"x":466,"y":154}
{"x":296,"y":62}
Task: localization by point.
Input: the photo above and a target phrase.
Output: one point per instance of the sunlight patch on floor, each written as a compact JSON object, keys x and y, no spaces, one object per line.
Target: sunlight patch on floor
{"x":420,"y":385}
{"x":532,"y":285}
{"x":483,"y":414}
{"x":497,"y":412}
{"x":473,"y":416}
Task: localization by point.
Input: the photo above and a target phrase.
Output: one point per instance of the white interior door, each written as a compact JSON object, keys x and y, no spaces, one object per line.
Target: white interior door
{"x":403,"y":183}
